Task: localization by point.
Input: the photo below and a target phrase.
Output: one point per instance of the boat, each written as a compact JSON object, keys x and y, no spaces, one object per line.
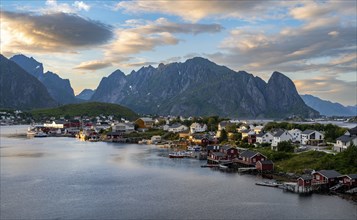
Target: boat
{"x":221,"y":166}
{"x":176,"y":155}
{"x":194,"y":148}
{"x":268,"y":183}
{"x":40,"y":134}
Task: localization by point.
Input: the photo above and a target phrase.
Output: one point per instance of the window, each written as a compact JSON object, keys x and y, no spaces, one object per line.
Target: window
{"x":254,"y":160}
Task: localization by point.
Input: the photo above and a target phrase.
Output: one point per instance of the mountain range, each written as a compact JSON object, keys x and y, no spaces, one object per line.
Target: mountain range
{"x":59,"y":89}
{"x":201,"y":87}
{"x":328,"y":108}
{"x":195,"y":87}
{"x":21,"y":90}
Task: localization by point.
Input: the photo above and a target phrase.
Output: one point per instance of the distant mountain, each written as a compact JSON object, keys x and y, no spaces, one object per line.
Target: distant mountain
{"x":90,"y":109}
{"x":59,"y":89}
{"x":329,"y":108}
{"x":86,"y":94}
{"x":20,"y":90}
{"x":201,"y":87}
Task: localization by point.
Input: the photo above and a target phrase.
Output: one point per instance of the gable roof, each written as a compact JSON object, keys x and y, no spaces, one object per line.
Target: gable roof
{"x":346,"y":138}
{"x":261,"y":134}
{"x":250,"y":154}
{"x":305,"y":177}
{"x":265,"y":162}
{"x":351,"y":176}
{"x":307,"y":132}
{"x":329,"y":173}
{"x":176,"y":125}
{"x":353,"y":131}
{"x":218,"y":154}
{"x":279,"y":133}
{"x":147,"y":119}
{"x":211,"y":147}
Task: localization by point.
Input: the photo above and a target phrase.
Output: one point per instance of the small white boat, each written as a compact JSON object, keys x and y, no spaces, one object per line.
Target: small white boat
{"x":221,"y":166}
{"x":268,"y":183}
{"x":40,"y":134}
{"x":176,"y":155}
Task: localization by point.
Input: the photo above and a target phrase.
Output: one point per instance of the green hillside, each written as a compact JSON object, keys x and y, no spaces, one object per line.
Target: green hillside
{"x":86,"y":109}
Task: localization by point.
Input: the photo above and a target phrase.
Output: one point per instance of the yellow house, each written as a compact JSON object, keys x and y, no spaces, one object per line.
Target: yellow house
{"x":144,"y":122}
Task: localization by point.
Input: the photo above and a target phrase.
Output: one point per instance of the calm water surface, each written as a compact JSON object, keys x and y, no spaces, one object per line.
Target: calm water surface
{"x":64,"y":178}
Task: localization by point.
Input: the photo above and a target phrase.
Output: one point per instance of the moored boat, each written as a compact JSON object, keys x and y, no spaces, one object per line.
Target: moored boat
{"x":268,"y":183}
{"x":40,"y":134}
{"x":176,"y":155}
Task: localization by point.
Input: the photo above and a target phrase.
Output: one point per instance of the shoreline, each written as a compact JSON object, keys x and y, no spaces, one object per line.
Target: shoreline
{"x":280,"y":177}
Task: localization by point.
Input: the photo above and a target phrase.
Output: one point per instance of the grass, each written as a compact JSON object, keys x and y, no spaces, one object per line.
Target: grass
{"x":344,"y":162}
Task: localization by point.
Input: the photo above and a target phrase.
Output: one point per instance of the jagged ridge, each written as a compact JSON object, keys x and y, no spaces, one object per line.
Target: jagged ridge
{"x":201,"y":87}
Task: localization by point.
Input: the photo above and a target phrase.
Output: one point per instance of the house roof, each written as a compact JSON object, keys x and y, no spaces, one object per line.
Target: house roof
{"x":353,"y":131}
{"x":351,"y":176}
{"x":211,"y":147}
{"x":227,"y":147}
{"x":114,"y":133}
{"x":307,"y":132}
{"x":218,"y":154}
{"x":176,"y":125}
{"x":346,"y":138}
{"x":266,"y":162}
{"x":248,"y":153}
{"x":146,"y":119}
{"x":279,"y":133}
{"x":329,"y":173}
{"x":306,"y":177}
{"x":261,"y":134}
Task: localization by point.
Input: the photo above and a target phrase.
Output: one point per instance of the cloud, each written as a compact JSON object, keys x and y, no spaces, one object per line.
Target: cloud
{"x":81,"y":5}
{"x":329,"y":88}
{"x":311,"y":45}
{"x":53,"y":7}
{"x":93,"y":65}
{"x":57,"y":32}
{"x":197,"y":10}
{"x":139,"y":35}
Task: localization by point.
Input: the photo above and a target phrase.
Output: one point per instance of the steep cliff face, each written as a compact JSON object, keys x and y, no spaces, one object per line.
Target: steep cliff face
{"x":112,"y":88}
{"x":201,"y":87}
{"x":20,"y":90}
{"x":59,"y":89}
{"x":283,"y":98}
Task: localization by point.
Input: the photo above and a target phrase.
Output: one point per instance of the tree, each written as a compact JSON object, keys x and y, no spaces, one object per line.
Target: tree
{"x":231,"y":128}
{"x":224,"y":136}
{"x":285,"y":146}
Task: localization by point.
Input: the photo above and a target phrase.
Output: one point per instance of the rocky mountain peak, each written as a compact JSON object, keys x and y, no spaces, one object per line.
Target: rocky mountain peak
{"x":29,"y":64}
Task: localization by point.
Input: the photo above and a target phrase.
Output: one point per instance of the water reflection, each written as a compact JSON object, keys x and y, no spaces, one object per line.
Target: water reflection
{"x":65,"y":178}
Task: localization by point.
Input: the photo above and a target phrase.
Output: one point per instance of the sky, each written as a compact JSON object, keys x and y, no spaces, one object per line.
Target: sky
{"x":312,"y":42}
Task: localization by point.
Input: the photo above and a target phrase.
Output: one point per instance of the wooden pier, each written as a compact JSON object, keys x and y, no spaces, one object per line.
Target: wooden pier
{"x":295,"y":188}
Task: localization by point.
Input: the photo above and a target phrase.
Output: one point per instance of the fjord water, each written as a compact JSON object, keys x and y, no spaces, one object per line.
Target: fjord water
{"x":64,"y":178}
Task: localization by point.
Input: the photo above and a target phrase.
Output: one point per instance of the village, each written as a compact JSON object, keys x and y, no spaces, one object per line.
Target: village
{"x":229,"y":145}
